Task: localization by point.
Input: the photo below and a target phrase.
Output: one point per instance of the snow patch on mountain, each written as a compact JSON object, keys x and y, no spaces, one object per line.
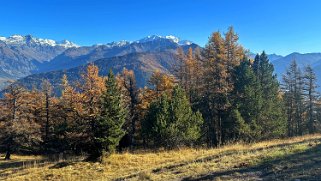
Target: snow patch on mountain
{"x":18,"y":40}
{"x":168,"y":37}
{"x":173,"y":38}
{"x":29,"y":40}
{"x":150,"y":38}
{"x":118,"y":44}
{"x":185,"y":42}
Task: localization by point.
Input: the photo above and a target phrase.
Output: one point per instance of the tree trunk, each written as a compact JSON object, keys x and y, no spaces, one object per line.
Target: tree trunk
{"x":47,"y":117}
{"x":133,"y":130}
{"x":8,"y":153}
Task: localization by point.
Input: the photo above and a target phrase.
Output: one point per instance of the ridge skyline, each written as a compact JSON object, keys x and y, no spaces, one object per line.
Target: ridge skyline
{"x":176,"y":39}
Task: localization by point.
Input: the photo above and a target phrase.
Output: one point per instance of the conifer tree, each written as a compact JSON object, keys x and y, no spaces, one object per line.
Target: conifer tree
{"x":156,"y":122}
{"x":170,"y":121}
{"x":68,"y":128}
{"x":248,"y":101}
{"x":239,"y":129}
{"x":198,"y":69}
{"x":127,"y":82}
{"x":317,"y":115}
{"x":188,"y":73}
{"x":91,"y":87}
{"x":221,"y":56}
{"x":272,"y":118}
{"x":20,"y":130}
{"x":158,"y":83}
{"x":294,"y":99}
{"x":216,"y":88}
{"x":186,"y":123}
{"x":47,"y":93}
{"x":180,"y":68}
{"x":108,"y":127}
{"x":310,"y":88}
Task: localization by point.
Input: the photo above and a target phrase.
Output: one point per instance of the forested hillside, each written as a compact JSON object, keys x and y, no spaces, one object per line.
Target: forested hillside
{"x":143,"y":65}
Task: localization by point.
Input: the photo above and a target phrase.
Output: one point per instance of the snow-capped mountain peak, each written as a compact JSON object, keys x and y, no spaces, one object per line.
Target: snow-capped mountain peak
{"x":185,"y":42}
{"x":149,"y":38}
{"x":173,"y":38}
{"x":168,"y":37}
{"x":114,"y":44}
{"x":67,"y":44}
{"x":17,"y":40}
{"x":119,"y":43}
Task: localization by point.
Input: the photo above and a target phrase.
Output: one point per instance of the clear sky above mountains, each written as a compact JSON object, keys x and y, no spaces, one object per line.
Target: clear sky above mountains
{"x":277,"y":26}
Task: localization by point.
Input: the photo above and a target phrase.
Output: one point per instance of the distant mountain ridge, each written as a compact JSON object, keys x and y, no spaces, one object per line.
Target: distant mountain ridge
{"x":78,"y":56}
{"x":21,"y":56}
{"x":302,"y":59}
{"x":271,"y":57}
{"x":19,"y":40}
{"x":143,"y":64}
{"x":313,"y":59}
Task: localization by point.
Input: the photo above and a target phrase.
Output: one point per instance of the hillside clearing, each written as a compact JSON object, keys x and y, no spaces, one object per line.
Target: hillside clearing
{"x":295,"y":158}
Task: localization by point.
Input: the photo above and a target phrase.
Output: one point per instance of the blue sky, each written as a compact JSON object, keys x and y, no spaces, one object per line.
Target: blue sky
{"x":277,"y":26}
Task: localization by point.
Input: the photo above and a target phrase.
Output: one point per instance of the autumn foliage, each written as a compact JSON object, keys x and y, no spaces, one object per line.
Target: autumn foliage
{"x":213,"y":96}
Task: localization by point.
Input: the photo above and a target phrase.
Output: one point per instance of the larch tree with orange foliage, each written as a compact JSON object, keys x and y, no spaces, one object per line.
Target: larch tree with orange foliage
{"x":127,"y":82}
{"x":188,"y":73}
{"x":91,"y":89}
{"x":20,"y":130}
{"x":221,"y":56}
{"x":70,"y":126}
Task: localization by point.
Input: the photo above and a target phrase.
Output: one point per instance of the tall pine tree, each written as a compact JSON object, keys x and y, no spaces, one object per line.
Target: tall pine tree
{"x":294,"y":99}
{"x":312,"y":97}
{"x":170,"y":121}
{"x":108,"y":127}
{"x":272,"y":118}
{"x":248,"y":102}
{"x":221,"y":56}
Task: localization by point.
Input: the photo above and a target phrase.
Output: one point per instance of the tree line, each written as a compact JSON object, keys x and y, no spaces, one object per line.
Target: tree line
{"x":215,"y":96}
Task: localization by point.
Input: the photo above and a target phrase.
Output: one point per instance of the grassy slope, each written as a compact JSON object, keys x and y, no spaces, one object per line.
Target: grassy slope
{"x":288,"y":159}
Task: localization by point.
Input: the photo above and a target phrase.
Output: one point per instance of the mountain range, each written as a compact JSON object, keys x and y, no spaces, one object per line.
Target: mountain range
{"x":30,"y":60}
{"x":19,"y":55}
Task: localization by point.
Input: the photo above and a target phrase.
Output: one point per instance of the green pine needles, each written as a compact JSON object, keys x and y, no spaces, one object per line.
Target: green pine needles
{"x":108,"y":126}
{"x":170,"y":121}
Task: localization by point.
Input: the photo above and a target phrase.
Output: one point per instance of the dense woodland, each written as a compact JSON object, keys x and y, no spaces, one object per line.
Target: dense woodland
{"x":216,"y":95}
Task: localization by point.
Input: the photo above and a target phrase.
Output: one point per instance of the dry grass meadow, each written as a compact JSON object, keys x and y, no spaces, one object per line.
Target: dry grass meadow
{"x":288,"y":159}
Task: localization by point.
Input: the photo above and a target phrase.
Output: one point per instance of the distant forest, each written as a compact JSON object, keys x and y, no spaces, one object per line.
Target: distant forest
{"x":217,"y":96}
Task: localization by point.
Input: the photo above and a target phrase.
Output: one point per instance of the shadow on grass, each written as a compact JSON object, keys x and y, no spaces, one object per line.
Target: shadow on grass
{"x":21,"y":163}
{"x":62,"y":164}
{"x":303,"y":166}
{"x":14,"y":166}
{"x":17,"y":165}
{"x":216,"y":158}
